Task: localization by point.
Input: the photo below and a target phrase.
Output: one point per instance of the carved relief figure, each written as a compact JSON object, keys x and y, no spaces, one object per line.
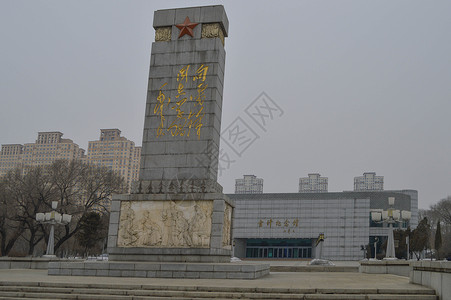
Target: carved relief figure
{"x":199,"y":228}
{"x":165,"y":224}
{"x":169,"y":217}
{"x":183,"y":231}
{"x":226,"y":230}
{"x":127,"y":234}
{"x":150,"y":233}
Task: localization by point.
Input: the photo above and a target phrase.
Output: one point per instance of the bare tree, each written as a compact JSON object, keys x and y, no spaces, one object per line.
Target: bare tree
{"x":443,"y":210}
{"x":83,"y":188}
{"x":10,"y":228}
{"x":79,"y":188}
{"x":31,"y":193}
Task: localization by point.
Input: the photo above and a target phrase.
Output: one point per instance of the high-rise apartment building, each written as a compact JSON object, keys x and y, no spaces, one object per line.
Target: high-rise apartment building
{"x":49,"y":147}
{"x":314,"y":183}
{"x":250,"y":184}
{"x":117,"y":153}
{"x":369,"y":182}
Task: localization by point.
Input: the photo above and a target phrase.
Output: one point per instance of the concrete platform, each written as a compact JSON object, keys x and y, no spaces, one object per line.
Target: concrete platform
{"x":352,"y":281}
{"x":236,"y":270}
{"x":25,"y":262}
{"x":27,"y":284}
{"x":397,"y":267}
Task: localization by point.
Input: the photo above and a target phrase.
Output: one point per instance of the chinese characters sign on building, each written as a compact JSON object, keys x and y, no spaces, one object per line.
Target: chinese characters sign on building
{"x":188,"y":107}
{"x":288,"y":225}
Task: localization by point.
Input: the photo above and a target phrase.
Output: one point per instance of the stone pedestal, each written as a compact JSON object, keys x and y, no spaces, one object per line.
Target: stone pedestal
{"x":170,"y":228}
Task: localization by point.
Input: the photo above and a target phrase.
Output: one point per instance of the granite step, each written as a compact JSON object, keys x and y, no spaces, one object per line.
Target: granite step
{"x":53,"y":290}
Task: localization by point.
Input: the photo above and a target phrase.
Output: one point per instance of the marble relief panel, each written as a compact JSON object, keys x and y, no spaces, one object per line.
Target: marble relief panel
{"x":227,"y":226}
{"x":165,"y":224}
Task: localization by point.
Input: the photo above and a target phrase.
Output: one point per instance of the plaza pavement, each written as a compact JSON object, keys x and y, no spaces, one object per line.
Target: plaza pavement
{"x":284,"y":280}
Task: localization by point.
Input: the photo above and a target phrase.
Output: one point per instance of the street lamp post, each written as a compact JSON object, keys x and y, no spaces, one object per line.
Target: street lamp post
{"x":375,"y":247}
{"x":390,"y":217}
{"x":52,"y":218}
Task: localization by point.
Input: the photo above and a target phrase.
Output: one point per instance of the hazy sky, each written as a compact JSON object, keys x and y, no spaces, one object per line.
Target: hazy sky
{"x":363,"y":85}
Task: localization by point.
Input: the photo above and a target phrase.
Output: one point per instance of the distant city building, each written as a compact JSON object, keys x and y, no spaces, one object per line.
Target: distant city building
{"x":369,"y":182}
{"x":250,"y":184}
{"x":314,"y":183}
{"x":49,"y":147}
{"x":117,"y":153}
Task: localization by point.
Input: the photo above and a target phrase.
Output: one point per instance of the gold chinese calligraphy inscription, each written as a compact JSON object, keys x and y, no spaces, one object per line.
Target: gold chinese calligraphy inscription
{"x":287,"y":225}
{"x":189,"y":108}
{"x":167,"y":224}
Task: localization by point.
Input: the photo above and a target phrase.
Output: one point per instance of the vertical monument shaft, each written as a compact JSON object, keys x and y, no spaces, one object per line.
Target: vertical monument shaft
{"x":176,"y":211}
{"x":184,"y":101}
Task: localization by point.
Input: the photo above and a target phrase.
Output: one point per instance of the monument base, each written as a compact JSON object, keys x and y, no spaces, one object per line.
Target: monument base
{"x":170,"y":255}
{"x":182,"y":227}
{"x":238,"y":270}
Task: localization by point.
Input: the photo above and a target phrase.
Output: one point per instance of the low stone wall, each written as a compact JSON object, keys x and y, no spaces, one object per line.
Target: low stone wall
{"x":433,"y":274}
{"x":315,"y":269}
{"x":25,"y":262}
{"x":238,"y":270}
{"x":395,"y":267}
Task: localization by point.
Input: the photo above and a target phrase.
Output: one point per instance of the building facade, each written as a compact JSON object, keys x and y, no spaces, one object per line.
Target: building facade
{"x":314,"y":183}
{"x":49,"y":147}
{"x":250,"y":184}
{"x":272,"y":226}
{"x":369,"y":182}
{"x":116,"y":153}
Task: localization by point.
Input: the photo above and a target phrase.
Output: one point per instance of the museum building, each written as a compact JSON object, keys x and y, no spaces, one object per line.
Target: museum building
{"x":287,"y":225}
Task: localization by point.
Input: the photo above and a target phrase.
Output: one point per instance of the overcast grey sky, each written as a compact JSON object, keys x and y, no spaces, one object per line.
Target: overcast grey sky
{"x":364,"y":85}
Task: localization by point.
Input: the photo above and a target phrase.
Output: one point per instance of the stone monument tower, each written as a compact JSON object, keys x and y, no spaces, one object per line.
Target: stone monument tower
{"x":176,"y":223}
{"x":177,"y":212}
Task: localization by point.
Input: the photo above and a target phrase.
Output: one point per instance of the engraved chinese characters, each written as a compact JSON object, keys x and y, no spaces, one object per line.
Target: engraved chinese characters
{"x":189,"y":107}
{"x":288,"y":226}
{"x":169,"y":224}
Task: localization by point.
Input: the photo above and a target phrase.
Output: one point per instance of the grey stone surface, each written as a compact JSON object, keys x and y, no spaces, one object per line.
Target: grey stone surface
{"x":112,"y":241}
{"x":162,"y":270}
{"x":162,"y":18}
{"x":162,"y":61}
{"x":114,"y":217}
{"x":204,"y":14}
{"x":173,"y":267}
{"x":112,"y":229}
{"x":102,"y":272}
{"x":200,"y":267}
{"x":434,"y":274}
{"x":114,"y":273}
{"x":115,"y":206}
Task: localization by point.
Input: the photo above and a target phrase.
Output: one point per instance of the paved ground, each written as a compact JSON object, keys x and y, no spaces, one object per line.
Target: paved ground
{"x":334,"y":280}
{"x":281,"y":262}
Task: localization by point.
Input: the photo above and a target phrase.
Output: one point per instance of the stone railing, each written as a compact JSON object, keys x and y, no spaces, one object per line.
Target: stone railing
{"x":433,"y":274}
{"x":395,"y":267}
{"x":25,"y":262}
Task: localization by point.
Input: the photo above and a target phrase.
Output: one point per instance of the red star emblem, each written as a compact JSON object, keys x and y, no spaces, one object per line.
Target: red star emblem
{"x":186,"y":28}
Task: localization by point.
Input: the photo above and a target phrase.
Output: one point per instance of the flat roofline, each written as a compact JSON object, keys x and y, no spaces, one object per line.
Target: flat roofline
{"x":39,"y":132}
{"x":346,"y":194}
